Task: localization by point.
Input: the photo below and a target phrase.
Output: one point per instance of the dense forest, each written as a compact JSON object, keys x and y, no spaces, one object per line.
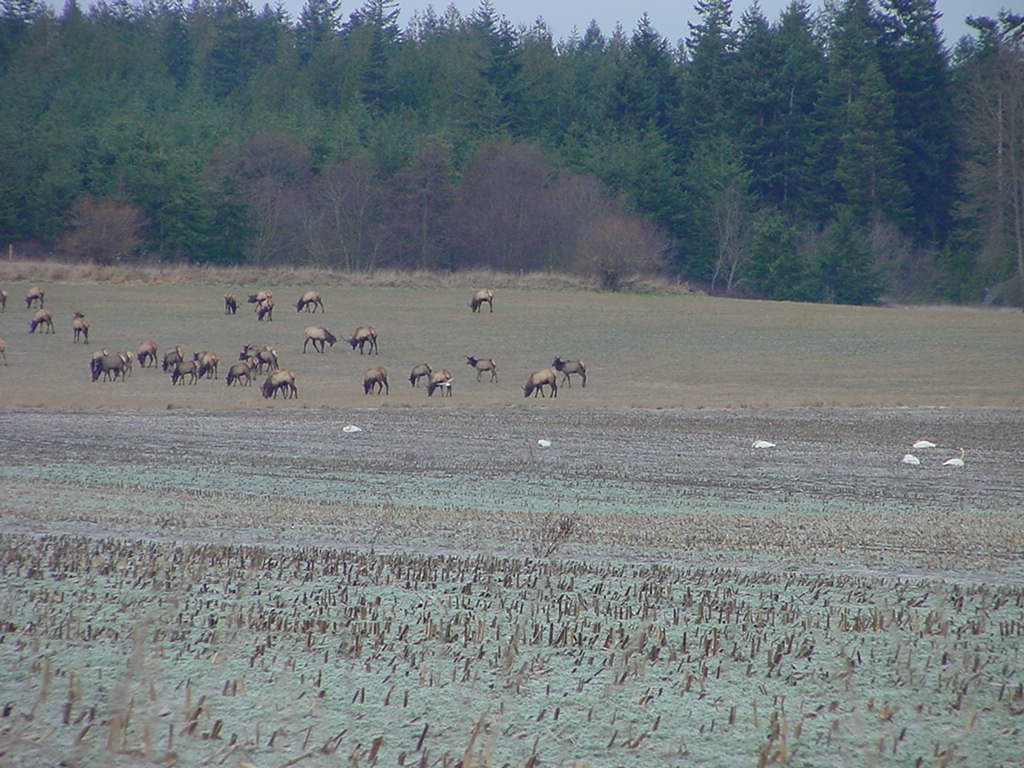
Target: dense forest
{"x":844,"y":156}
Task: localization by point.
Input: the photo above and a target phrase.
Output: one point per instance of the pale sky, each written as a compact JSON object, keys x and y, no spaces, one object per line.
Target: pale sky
{"x":669,"y":17}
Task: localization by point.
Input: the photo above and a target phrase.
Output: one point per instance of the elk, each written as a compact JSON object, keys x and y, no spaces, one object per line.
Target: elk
{"x":172,"y":357}
{"x":265,"y":310}
{"x":365,"y":334}
{"x":442,"y":378}
{"x":80,"y":326}
{"x":310,"y":301}
{"x":230,"y":303}
{"x":41,"y":318}
{"x":545,"y":377}
{"x":110,"y":365}
{"x":146,"y":353}
{"x":3,"y":351}
{"x":480,"y":297}
{"x":483,"y":364}
{"x":240,"y":372}
{"x":280,"y":380}
{"x":418,"y":372}
{"x":34,"y":294}
{"x":208,"y":364}
{"x":265,"y":356}
{"x":126,"y":357}
{"x":183,"y":368}
{"x":376,"y":376}
{"x":568,"y":367}
{"x":259,"y":297}
{"x":3,"y":301}
{"x":320,"y":336}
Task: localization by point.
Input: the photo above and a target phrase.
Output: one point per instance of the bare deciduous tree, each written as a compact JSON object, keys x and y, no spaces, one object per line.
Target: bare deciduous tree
{"x":103,"y":230}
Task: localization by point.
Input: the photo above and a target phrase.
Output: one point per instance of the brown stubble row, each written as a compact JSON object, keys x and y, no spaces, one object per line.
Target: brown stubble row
{"x":653,"y":350}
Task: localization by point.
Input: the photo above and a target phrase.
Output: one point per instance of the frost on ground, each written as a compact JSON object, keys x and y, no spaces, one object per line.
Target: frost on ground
{"x":177,"y":593}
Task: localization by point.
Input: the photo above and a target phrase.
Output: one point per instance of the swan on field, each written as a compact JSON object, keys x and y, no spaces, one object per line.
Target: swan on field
{"x":544,"y":443}
{"x":909,"y":458}
{"x":923,"y":444}
{"x":956,"y":461}
{"x":351,"y":428}
{"x":762,"y":444}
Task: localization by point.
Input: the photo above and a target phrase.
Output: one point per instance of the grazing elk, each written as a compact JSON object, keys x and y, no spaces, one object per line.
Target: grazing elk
{"x":110,"y":365}
{"x":3,"y":301}
{"x":365,"y":335}
{"x":3,"y":351}
{"x":376,"y":376}
{"x":208,"y":364}
{"x":146,"y":353}
{"x":126,"y":356}
{"x":265,"y":310}
{"x":569,"y":367}
{"x":418,"y":372}
{"x":80,"y":327}
{"x":545,"y":377}
{"x":482,"y":365}
{"x":260,"y":297}
{"x":230,"y":303}
{"x":484,"y":295}
{"x":442,"y":379}
{"x":172,"y":357}
{"x":319,"y":336}
{"x":280,"y":380}
{"x":36,"y":295}
{"x":186,"y":368}
{"x":240,"y":372}
{"x":264,"y":358}
{"x":43,"y":318}
{"x":310,"y":301}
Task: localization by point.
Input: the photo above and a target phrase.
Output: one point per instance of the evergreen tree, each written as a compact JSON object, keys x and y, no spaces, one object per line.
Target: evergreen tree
{"x":845,"y":269}
{"x":707,"y":80}
{"x":319,"y":20}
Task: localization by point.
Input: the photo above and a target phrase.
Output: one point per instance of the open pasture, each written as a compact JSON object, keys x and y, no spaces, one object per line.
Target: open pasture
{"x":193,"y":575}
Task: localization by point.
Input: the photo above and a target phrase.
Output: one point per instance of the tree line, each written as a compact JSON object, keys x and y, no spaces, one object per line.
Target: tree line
{"x":839,"y":156}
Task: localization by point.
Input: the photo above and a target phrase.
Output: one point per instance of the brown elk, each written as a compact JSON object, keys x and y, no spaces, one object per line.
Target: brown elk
{"x":265,"y":310}
{"x":442,"y":379}
{"x":126,"y":356}
{"x":545,"y":377}
{"x":172,"y":357}
{"x":376,"y":377}
{"x":319,"y":336}
{"x":310,"y":301}
{"x":365,"y":335}
{"x":280,"y":380}
{"x":208,"y":364}
{"x":3,"y":351}
{"x":259,"y":297}
{"x":482,"y":365}
{"x":186,"y":368}
{"x":484,"y":295}
{"x":80,"y":327}
{"x":418,"y":372}
{"x":146,"y":353}
{"x":230,"y":303}
{"x":41,"y":318}
{"x":265,"y":357}
{"x":240,"y":372}
{"x":34,"y":295}
{"x":569,"y":367}
{"x":3,"y":301}
{"x":110,"y":365}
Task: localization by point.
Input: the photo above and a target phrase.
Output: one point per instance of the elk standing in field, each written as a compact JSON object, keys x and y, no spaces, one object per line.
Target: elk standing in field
{"x":208,"y":364}
{"x":569,"y":367}
{"x":259,"y":297}
{"x":80,"y":327}
{"x":484,"y":295}
{"x":265,"y":310}
{"x":365,"y":335}
{"x":3,"y":301}
{"x":3,"y":351}
{"x":442,"y":379}
{"x":189,"y":368}
{"x":280,"y":380}
{"x":172,"y":357}
{"x":43,"y":318}
{"x":319,"y":336}
{"x":265,"y":357}
{"x":110,"y":365}
{"x":310,"y":301}
{"x":545,"y":377}
{"x":418,"y":372}
{"x":146,"y":353}
{"x":230,"y":304}
{"x":240,"y":372}
{"x":34,"y":294}
{"x":126,"y":357}
{"x":376,"y":377}
{"x":482,"y":365}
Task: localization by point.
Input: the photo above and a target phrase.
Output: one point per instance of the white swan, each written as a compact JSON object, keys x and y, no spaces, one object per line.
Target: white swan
{"x":909,"y":458}
{"x":923,"y":444}
{"x":762,"y":444}
{"x":956,"y":461}
{"x":351,"y":428}
{"x":544,"y":443}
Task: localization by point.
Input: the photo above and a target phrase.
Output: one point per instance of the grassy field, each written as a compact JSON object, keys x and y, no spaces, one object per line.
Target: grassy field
{"x":194,"y":575}
{"x":643,"y":351}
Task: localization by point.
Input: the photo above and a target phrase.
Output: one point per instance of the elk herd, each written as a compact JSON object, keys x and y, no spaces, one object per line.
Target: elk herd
{"x":257,"y":360}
